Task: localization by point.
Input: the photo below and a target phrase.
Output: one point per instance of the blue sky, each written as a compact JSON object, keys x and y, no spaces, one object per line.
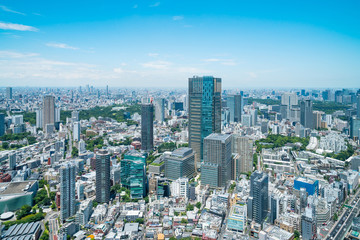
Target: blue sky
{"x":250,"y":44}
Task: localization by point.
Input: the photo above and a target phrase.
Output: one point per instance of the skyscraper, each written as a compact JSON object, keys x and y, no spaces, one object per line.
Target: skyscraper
{"x":67,"y":191}
{"x":306,"y":114}
{"x":217,"y":156}
{"x":354,"y":128}
{"x":133,"y":174}
{"x":147,"y":125}
{"x":39,"y":118}
{"x":9,"y":93}
{"x":76,"y":131}
{"x":75,"y":116}
{"x":358,"y":106}
{"x":2,"y":124}
{"x":160,"y":109}
{"x":48,"y":111}
{"x":259,"y":195}
{"x":243,"y":146}
{"x":289,"y":99}
{"x":12,"y":161}
{"x":308,"y":224}
{"x":204,"y":111}
{"x":235,"y":105}
{"x":180,"y":163}
{"x":102,"y":176}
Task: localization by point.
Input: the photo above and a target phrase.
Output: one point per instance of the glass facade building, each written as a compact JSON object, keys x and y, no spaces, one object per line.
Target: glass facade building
{"x":133,"y":174}
{"x":204,"y":111}
{"x":217,"y":152}
{"x":102,"y":176}
{"x":259,"y":194}
{"x":147,"y":126}
{"x":180,"y":163}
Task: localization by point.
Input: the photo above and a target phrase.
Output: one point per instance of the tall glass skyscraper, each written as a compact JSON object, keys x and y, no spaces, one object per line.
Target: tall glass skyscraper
{"x":160,"y":109}
{"x":147,"y":125}
{"x":204,"y":111}
{"x":217,"y":160}
{"x":67,"y":191}
{"x":259,"y":194}
{"x":235,"y":105}
{"x":306,"y":114}
{"x":102,"y":176}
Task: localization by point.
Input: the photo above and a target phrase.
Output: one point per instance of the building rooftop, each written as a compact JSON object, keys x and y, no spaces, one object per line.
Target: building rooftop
{"x":306,"y":180}
{"x":181,"y":152}
{"x":15,"y":187}
{"x":131,"y":227}
{"x":218,"y":136}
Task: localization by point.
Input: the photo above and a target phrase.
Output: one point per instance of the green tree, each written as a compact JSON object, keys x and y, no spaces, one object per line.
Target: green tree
{"x":297,"y":234}
{"x":140,"y":220}
{"x":198,"y":205}
{"x":23,"y":211}
{"x":184,"y":221}
{"x":335,"y":217}
{"x":74,"y":152}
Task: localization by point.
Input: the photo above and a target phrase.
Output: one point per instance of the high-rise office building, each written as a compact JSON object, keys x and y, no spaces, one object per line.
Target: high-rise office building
{"x":246,"y":120}
{"x":2,"y":124}
{"x":102,"y":176}
{"x":355,"y":128}
{"x":259,"y":195}
{"x":306,"y":114}
{"x":289,"y":99}
{"x":180,"y":188}
{"x":160,"y":109}
{"x":308,"y":224}
{"x":147,"y":125}
{"x":254,"y":115}
{"x":180,"y":163}
{"x":243,"y":146}
{"x":358,"y":106}
{"x":75,"y":116}
{"x":57,"y":114}
{"x":12,"y":161}
{"x":39,"y":118}
{"x":9,"y":93}
{"x":235,"y":105}
{"x":133,"y":174}
{"x":67,"y":191}
{"x":76,"y":131}
{"x":204,"y":111}
{"x":217,"y":157}
{"x":48,"y":111}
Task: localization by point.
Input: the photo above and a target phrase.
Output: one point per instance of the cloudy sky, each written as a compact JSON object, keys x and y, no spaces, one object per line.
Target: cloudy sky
{"x":161,"y":43}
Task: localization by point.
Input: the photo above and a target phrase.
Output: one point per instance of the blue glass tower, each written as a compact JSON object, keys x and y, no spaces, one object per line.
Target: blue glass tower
{"x":204,"y":111}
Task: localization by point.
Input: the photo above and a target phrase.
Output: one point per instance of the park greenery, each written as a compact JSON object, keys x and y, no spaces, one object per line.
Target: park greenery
{"x":167,"y":146}
{"x":93,"y":143}
{"x":264,"y":101}
{"x":26,"y":214}
{"x":329,"y":107}
{"x":343,"y":155}
{"x":276,"y":140}
{"x":7,"y":138}
{"x":106,"y":112}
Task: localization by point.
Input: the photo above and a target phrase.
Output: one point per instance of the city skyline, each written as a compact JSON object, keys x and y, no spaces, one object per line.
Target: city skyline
{"x":162,"y":43}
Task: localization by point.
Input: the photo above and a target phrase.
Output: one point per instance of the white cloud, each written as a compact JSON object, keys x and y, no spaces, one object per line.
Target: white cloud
{"x":157,"y":64}
{"x":6,"y":9}
{"x":18,"y":27}
{"x":252,"y":74}
{"x":177,"y":18}
{"x":153,"y":54}
{"x":227,"y":62}
{"x":155,"y":4}
{"x":9,"y":54}
{"x":61,"y":45}
{"x":118,"y":70}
